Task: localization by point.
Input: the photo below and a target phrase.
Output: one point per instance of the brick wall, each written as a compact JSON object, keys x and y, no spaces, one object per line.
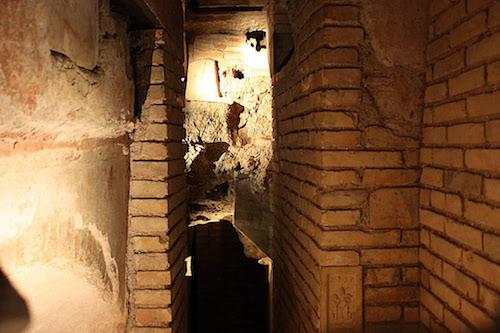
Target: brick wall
{"x":349,"y":108}
{"x":158,"y":240}
{"x":460,"y":196}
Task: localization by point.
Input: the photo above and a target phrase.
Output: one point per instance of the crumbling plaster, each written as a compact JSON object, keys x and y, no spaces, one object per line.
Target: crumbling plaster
{"x":64,"y":151}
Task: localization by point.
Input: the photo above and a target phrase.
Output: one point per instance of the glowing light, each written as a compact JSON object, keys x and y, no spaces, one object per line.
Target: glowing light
{"x":255,"y":60}
{"x":16,"y":215}
{"x":202,"y":83}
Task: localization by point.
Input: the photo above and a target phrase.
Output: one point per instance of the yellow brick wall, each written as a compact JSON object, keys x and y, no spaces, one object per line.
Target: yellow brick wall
{"x":460,"y":196}
{"x":158,"y":239}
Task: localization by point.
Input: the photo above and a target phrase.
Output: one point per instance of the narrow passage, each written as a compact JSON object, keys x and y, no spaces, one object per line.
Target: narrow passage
{"x":229,"y":291}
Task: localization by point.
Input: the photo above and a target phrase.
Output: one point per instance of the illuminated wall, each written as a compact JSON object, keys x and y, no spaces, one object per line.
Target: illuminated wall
{"x":67,"y":102}
{"x":229,"y":121}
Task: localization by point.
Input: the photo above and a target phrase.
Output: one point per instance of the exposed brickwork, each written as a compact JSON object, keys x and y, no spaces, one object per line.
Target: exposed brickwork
{"x":347,"y":188}
{"x":459,"y":203}
{"x":158,"y":241}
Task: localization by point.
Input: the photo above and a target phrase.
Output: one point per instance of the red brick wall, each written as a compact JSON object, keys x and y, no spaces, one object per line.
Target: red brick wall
{"x":460,"y":196}
{"x":158,"y":240}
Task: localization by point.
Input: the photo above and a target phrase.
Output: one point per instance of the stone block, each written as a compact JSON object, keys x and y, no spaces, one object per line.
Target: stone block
{"x":492,"y":189}
{"x":483,"y":104}
{"x":435,"y":93}
{"x":382,"y":276}
{"x":377,"y":295}
{"x":148,"y":151}
{"x":450,"y":17}
{"x":341,"y":199}
{"x":448,"y":157}
{"x":411,"y":275}
{"x":491,"y":245}
{"x":432,"y":303}
{"x":444,"y":293}
{"x":483,"y":159}
{"x":341,"y":218}
{"x":149,"y":225}
{"x":468,"y":30}
{"x":465,"y":134}
{"x":431,"y":262}
{"x":450,"y":64}
{"x":438,"y":47}
{"x":432,"y":177}
{"x":494,"y":15}
{"x":155,"y":298}
{"x":467,"y":81}
{"x":151,"y":262}
{"x":463,"y":182}
{"x":493,"y":129}
{"x":358,"y":159}
{"x":410,"y":237}
{"x":462,"y":282}
{"x":483,"y":268}
{"x":398,"y":177}
{"x":434,"y":135}
{"x":153,"y":280}
{"x":383,"y":314}
{"x":447,"y":250}
{"x":342,"y":300}
{"x":149,"y":207}
{"x":490,"y":300}
{"x":482,"y":214}
{"x":394,"y":208}
{"x":358,"y":238}
{"x":148,"y":189}
{"x":432,"y":220}
{"x":479,"y":319}
{"x":487,"y":48}
{"x":449,"y":112}
{"x":151,"y":132}
{"x":390,"y":256}
{"x":153,"y":317}
{"x":150,"y":244}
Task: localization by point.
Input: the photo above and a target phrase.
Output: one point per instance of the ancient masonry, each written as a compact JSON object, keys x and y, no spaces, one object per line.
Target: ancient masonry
{"x":158,"y":240}
{"x":346,"y":226}
{"x":460,"y":158}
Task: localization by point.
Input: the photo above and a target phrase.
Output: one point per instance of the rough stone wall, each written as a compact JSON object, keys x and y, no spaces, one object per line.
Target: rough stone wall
{"x":64,"y":154}
{"x":460,"y":198}
{"x":158,"y":240}
{"x":349,"y":105}
{"x":230,"y":134}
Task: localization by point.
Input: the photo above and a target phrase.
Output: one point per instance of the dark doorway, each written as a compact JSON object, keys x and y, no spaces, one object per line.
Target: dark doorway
{"x":229,"y":291}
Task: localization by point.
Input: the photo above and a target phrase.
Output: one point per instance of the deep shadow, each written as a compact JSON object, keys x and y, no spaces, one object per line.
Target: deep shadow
{"x":229,"y":291}
{"x":14,"y":314}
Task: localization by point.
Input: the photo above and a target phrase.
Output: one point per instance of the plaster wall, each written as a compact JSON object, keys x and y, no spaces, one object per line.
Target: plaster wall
{"x":64,"y":158}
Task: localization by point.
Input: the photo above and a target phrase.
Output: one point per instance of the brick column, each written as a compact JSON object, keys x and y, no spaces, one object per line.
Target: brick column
{"x":158,"y":240}
{"x":346,"y":236}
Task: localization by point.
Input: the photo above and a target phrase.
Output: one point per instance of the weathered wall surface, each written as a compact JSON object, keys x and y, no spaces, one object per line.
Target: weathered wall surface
{"x":63,"y":147}
{"x":349,"y":105}
{"x":158,"y":240}
{"x":229,"y":125}
{"x":460,"y":197}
